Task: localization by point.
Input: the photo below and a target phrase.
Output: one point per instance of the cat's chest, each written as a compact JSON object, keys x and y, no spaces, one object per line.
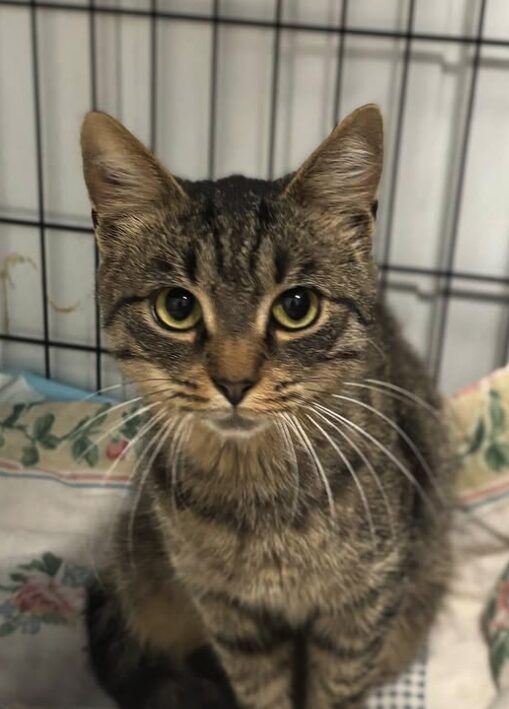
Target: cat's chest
{"x":287,"y":570}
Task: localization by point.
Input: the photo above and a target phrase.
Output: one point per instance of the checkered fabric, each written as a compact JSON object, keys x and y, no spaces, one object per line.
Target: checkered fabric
{"x":407,"y":692}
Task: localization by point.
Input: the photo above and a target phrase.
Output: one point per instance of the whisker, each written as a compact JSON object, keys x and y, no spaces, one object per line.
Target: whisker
{"x":287,"y":439}
{"x":153,"y":421}
{"x":158,"y":440}
{"x":304,"y":438}
{"x":368,"y":465}
{"x":352,"y":472}
{"x":444,"y":416}
{"x":411,"y":396}
{"x":174,"y":454}
{"x":97,"y":392}
{"x":113,"y":428}
{"x":119,"y":423}
{"x":108,"y":411}
{"x":111,"y":387}
{"x":408,"y":440}
{"x":408,"y":475}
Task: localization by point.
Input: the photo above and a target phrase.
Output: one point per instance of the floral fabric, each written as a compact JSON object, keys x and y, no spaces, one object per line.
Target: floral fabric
{"x":46,"y":590}
{"x":65,"y":473}
{"x":496,"y":624}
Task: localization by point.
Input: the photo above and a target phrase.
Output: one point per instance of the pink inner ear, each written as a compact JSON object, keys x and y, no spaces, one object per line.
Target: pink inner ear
{"x":344,"y":171}
{"x":120,"y":172}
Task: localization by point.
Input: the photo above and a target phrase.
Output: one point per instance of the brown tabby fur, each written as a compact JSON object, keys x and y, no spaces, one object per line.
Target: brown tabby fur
{"x":233,"y":549}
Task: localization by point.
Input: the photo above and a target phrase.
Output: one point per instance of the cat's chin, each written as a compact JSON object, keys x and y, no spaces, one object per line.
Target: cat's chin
{"x":233,"y":424}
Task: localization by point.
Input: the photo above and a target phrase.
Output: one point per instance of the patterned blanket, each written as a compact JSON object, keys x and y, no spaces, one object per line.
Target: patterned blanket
{"x":64,"y":474}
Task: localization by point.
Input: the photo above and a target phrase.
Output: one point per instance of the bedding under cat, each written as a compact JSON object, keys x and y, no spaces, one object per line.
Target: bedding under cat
{"x":287,"y":544}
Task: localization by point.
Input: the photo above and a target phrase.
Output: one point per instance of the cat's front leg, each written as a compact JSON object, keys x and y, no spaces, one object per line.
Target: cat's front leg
{"x":256,"y":652}
{"x":342,"y":666}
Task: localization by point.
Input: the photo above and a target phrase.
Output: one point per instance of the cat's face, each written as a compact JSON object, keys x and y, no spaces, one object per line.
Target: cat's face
{"x":238,"y":300}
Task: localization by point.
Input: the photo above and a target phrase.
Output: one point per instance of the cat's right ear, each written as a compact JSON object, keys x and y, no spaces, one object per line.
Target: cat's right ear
{"x":122,"y":176}
{"x":343,"y":173}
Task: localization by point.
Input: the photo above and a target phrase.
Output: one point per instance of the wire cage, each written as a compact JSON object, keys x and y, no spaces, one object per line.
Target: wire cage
{"x":251,"y":86}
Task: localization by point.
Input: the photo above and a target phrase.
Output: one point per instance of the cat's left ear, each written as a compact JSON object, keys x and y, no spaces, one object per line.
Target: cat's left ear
{"x":344,"y":171}
{"x":123,"y":177}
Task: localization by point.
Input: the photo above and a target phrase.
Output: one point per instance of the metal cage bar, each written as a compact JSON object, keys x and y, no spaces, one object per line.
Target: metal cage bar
{"x":94,"y":105}
{"x":446,"y":283}
{"x":276,"y":53}
{"x":440,"y":324}
{"x":339,"y":63}
{"x":214,"y":59}
{"x":262,"y":24}
{"x":40,"y":183}
{"x":393,"y":180}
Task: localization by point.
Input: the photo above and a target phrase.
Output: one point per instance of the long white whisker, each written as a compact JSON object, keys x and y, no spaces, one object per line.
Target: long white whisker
{"x":108,"y":410}
{"x":153,"y":421}
{"x":408,"y":395}
{"x":174,"y":454}
{"x":393,"y":395}
{"x":352,"y":472}
{"x":118,"y":425}
{"x":304,"y":438}
{"x":449,"y":419}
{"x":158,"y":441}
{"x":408,"y":475}
{"x":410,"y":443}
{"x":111,"y":387}
{"x":367,"y":463}
{"x":287,"y":439}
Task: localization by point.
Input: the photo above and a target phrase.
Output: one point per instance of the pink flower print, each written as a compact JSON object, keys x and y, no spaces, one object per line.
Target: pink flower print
{"x":42,"y":597}
{"x":115,"y":449}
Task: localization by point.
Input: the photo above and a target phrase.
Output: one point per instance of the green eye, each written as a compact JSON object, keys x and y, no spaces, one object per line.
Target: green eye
{"x":296,"y":309}
{"x":177,"y":309}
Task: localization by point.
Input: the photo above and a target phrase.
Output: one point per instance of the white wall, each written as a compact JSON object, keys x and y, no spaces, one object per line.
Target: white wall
{"x":438,"y":82}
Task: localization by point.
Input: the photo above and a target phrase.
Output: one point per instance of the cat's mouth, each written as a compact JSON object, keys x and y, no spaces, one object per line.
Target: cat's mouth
{"x":235,"y":423}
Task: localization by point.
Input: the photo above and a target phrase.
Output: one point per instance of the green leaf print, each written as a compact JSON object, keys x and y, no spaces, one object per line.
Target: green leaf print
{"x":16,"y":412}
{"x":42,"y":426}
{"x":7,"y":629}
{"x":497,"y":456}
{"x":29,"y":455}
{"x":34,"y":565}
{"x":497,"y":413}
{"x":499,"y":653}
{"x":100,"y":416}
{"x":131,"y":426}
{"x":49,"y":441}
{"x":79,"y":447}
{"x":92,"y":456}
{"x":477,"y":438}
{"x":18,"y":578}
{"x":51,"y":563}
{"x":78,"y":428}
{"x":89,"y":424}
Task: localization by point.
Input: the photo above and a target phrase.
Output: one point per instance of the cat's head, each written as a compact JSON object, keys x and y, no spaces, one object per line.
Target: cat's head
{"x":240,"y":299}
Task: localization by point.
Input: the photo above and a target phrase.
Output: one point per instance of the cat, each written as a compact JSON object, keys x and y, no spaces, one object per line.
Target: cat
{"x":287,"y":545}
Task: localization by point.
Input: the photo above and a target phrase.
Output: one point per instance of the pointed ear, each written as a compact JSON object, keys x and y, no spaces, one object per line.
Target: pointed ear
{"x":344,"y":171}
{"x":122,"y":176}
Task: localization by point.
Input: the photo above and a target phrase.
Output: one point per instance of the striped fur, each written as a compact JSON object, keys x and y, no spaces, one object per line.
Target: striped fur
{"x":295,"y":562}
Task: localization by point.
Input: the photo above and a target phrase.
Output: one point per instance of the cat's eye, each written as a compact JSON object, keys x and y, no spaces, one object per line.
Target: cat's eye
{"x":296,"y":308}
{"x":177,"y":309}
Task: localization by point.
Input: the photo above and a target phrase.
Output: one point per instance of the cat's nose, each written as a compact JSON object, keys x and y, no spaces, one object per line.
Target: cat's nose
{"x":234,"y":391}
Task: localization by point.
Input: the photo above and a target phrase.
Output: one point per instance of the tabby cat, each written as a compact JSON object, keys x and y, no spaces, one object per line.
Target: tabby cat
{"x":287,"y":543}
